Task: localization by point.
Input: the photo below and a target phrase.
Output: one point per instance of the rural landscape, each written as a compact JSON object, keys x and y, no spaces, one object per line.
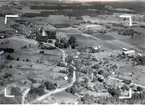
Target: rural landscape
{"x":72,"y":52}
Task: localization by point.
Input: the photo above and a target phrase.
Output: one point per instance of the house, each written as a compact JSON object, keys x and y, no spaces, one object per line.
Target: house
{"x":129,"y":53}
{"x":1,"y":52}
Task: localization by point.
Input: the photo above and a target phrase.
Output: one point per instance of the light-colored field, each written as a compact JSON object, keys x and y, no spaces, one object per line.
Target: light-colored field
{"x":16,"y":43}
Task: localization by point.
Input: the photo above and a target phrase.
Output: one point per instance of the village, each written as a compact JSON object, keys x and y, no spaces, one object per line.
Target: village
{"x":69,"y":60}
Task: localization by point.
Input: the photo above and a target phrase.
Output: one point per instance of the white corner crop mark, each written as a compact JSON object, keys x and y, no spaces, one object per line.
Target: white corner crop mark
{"x":6,"y":95}
{"x":12,"y":16}
{"x":128,"y":16}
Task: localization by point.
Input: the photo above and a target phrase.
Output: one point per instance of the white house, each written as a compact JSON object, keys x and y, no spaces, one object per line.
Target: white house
{"x":130,"y":52}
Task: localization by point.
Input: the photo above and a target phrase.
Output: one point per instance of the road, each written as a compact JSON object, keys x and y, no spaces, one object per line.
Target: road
{"x":57,"y":90}
{"x":63,"y":52}
{"x":25,"y":95}
{"x":128,"y":45}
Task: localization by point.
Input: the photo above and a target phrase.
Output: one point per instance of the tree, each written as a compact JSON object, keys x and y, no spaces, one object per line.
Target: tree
{"x":139,"y":88}
{"x":62,"y":40}
{"x":37,"y":61}
{"x":49,"y":85}
{"x":114,"y":92}
{"x":50,"y":41}
{"x":27,"y":60}
{"x":18,"y":59}
{"x":57,"y":43}
{"x":124,"y":87}
{"x":71,"y":90}
{"x":10,"y":66}
{"x":101,"y":72}
{"x":29,"y":45}
{"x":72,"y":40}
{"x":8,"y":57}
{"x":71,"y":69}
{"x":7,"y":75}
{"x":87,"y":99}
{"x":16,"y":91}
{"x":96,"y":66}
{"x":41,"y":52}
{"x":73,"y":45}
{"x":127,"y":81}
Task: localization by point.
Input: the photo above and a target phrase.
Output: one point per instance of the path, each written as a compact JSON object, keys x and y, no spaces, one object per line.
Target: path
{"x":25,"y":95}
{"x":57,"y":90}
{"x":63,"y":52}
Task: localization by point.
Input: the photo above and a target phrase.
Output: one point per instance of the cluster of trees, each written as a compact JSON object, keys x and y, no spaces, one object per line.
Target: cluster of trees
{"x":37,"y":91}
{"x":78,"y":10}
{"x":16,"y":91}
{"x":48,"y":48}
{"x":31,"y":15}
{"x":62,"y":43}
{"x":49,"y":85}
{"x":71,"y":90}
{"x":7,"y":75}
{"x":140,"y":60}
{"x":25,"y":46}
{"x":50,"y":35}
{"x":17,"y":59}
{"x":9,"y":50}
{"x":62,"y":25}
{"x":10,"y":57}
{"x":128,"y":32}
{"x":114,"y":92}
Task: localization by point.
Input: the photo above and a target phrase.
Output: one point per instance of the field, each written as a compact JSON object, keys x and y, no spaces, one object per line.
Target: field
{"x":16,"y":43}
{"x":29,"y":63}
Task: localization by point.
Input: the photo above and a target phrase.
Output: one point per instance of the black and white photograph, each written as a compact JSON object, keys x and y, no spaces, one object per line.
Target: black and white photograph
{"x":72,"y":52}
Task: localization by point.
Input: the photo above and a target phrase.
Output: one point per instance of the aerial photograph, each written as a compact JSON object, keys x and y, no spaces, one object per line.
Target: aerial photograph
{"x":72,"y":52}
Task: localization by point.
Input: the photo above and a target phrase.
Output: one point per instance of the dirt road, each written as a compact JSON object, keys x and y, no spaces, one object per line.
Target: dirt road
{"x":56,"y":91}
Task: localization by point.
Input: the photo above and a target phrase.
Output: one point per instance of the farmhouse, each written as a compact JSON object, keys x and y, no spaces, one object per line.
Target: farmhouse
{"x":129,"y":53}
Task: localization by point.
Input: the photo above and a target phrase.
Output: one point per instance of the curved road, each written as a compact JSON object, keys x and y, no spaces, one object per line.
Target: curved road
{"x":57,"y":90}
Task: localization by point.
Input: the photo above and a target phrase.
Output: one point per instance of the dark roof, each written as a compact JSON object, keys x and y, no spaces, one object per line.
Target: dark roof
{"x":42,"y":38}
